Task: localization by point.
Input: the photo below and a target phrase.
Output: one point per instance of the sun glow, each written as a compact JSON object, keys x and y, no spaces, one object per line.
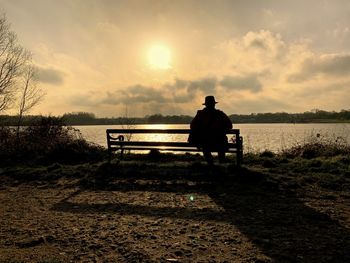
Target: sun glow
{"x":159,"y":57}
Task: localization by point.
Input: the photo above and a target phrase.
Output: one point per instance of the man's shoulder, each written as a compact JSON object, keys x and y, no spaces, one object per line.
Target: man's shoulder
{"x":200,"y":112}
{"x":220,"y":112}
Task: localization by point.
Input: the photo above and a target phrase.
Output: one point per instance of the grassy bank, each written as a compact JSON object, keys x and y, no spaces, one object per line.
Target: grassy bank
{"x":299,"y":167}
{"x":173,"y":208}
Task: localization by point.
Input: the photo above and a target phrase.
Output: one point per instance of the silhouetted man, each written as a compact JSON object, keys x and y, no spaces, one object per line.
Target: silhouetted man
{"x":208,"y":130}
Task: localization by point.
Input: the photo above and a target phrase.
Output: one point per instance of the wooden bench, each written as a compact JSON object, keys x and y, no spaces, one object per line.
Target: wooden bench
{"x":122,"y":139}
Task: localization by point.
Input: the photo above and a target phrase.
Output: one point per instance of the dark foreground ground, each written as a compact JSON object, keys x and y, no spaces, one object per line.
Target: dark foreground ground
{"x":177,"y":211}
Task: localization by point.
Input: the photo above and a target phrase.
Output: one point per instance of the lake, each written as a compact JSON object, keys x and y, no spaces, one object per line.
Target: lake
{"x":256,"y":137}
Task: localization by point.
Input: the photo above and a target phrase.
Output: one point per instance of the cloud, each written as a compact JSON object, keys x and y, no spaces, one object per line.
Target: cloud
{"x":206,"y":85}
{"x":139,"y":93}
{"x":50,"y":76}
{"x":133,"y":95}
{"x":180,"y":91}
{"x":178,"y":84}
{"x":253,"y":52}
{"x":264,"y":40}
{"x":250,"y":82}
{"x":150,"y":98}
{"x":183,"y":91}
{"x":332,"y":65}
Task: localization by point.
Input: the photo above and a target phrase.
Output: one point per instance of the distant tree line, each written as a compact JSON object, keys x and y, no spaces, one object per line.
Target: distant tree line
{"x":87,"y":118}
{"x":314,"y":116}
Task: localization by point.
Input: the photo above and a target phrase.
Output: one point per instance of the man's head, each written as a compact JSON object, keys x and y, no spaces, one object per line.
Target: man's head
{"x":210,"y":102}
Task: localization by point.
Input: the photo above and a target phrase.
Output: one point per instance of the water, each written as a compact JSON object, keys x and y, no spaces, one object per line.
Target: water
{"x":256,"y":137}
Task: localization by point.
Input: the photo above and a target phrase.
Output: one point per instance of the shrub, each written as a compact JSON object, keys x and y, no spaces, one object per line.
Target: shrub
{"x":48,"y":140}
{"x":317,"y":146}
{"x":7,"y":142}
{"x":267,"y":154}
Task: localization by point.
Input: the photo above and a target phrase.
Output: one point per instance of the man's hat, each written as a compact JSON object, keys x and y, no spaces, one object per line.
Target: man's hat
{"x":209,"y":100}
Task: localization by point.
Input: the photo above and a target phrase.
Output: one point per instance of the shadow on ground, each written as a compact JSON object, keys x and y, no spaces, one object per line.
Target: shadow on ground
{"x":274,"y":218}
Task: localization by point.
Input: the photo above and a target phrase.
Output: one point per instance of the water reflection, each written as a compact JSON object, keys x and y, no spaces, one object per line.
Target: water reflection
{"x":257,"y":137}
{"x":161,"y":137}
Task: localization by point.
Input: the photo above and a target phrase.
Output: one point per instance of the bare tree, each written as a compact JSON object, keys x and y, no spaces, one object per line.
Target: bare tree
{"x":127,"y":123}
{"x":12,"y":59}
{"x":29,"y":93}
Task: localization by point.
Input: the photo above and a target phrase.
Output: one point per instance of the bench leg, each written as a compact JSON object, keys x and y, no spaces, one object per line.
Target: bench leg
{"x":240,"y":151}
{"x":109,"y":156}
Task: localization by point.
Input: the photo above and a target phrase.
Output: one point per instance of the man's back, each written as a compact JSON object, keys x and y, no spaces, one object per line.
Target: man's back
{"x":210,"y":127}
{"x":211,"y":120}
{"x":208,"y":130}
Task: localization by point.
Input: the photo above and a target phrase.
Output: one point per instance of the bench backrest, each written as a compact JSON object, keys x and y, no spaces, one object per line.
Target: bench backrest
{"x":159,"y":131}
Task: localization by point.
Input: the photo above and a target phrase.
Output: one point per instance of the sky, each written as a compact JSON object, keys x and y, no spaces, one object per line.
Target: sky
{"x":136,"y":58}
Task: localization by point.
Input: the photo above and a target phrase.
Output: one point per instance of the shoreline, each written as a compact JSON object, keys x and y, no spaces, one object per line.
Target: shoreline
{"x":114,"y":124}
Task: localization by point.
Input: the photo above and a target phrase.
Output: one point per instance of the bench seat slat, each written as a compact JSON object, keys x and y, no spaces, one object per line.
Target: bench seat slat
{"x":189,"y":149}
{"x":159,"y":148}
{"x":231,"y":150}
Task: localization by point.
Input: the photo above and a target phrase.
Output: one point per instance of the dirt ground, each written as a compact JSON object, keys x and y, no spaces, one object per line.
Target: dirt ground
{"x":168,"y":214}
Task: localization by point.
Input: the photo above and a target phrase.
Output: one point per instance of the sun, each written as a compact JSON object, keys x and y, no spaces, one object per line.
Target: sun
{"x":159,"y":57}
